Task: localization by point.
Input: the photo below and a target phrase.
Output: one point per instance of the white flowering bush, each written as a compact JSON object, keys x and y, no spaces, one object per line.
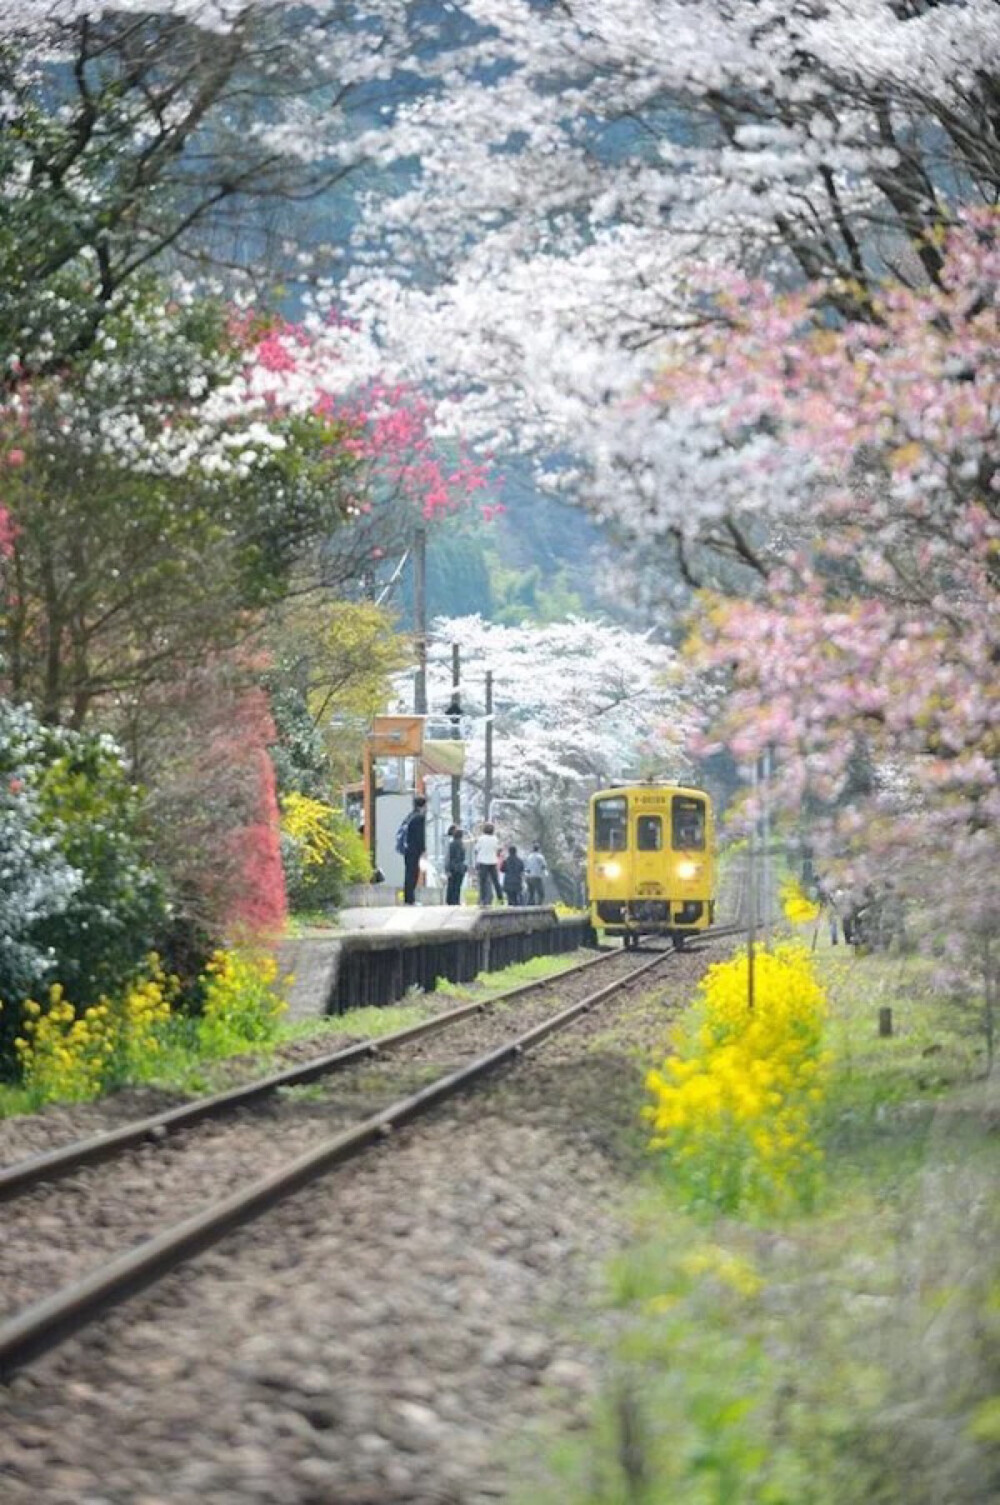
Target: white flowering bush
{"x":36,"y":881}
{"x":79,"y":902}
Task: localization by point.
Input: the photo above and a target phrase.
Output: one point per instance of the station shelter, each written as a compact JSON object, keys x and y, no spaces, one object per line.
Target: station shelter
{"x":405,"y":755}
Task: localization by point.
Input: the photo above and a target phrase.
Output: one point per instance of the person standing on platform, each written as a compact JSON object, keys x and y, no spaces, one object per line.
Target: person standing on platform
{"x":414,"y":847}
{"x":535,"y":871}
{"x":455,"y":864}
{"x":513,"y":873}
{"x":487,"y":855}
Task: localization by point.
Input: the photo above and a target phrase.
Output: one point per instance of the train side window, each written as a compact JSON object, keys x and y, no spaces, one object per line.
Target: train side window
{"x":688,"y":824}
{"x":611,"y":824}
{"x":649,"y":833}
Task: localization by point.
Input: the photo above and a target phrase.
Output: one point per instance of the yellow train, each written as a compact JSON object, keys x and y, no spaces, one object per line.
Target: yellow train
{"x":651,"y":862}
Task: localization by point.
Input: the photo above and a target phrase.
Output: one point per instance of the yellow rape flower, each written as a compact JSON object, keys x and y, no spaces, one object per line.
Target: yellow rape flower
{"x":75,"y":1057}
{"x":241,"y":1005}
{"x":734,"y":1107}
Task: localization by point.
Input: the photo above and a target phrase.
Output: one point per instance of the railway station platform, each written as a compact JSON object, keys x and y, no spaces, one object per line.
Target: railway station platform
{"x":375,"y":955}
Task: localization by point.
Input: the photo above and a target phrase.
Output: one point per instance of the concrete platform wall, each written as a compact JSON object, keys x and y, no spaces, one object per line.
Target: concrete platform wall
{"x":374,"y":967}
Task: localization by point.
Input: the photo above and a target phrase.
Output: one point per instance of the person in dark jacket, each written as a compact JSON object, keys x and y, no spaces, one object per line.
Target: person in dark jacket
{"x":513,"y":876}
{"x":416,"y":845}
{"x":455,"y":864}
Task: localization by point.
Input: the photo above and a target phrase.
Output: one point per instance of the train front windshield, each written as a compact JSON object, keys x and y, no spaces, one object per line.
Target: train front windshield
{"x":688,"y":824}
{"x":611,"y":824}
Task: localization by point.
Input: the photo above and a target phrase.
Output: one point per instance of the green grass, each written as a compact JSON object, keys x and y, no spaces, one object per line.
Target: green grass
{"x":845,"y":1356}
{"x":312,"y":1092}
{"x":305,"y":922}
{"x":489,"y":984}
{"x":14,"y":1101}
{"x":366,"y":1024}
{"x":181,"y":1066}
{"x":936,"y":1038}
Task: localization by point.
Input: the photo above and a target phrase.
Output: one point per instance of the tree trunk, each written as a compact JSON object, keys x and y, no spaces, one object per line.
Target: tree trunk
{"x":989,"y":1003}
{"x":52,"y":683}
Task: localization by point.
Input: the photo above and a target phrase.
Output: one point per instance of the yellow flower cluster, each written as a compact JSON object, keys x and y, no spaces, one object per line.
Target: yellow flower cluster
{"x":723,"y":1265}
{"x":66,"y":1056}
{"x":309,"y":823}
{"x":241,"y":1003}
{"x":798,"y":907}
{"x":735,"y":1105}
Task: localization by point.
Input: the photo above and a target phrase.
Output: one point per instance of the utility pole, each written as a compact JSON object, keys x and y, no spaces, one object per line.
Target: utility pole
{"x":370,"y":776}
{"x":456,"y":731}
{"x":420,"y":618}
{"x":752,"y":895}
{"x":488,"y":772}
{"x":765,"y":821}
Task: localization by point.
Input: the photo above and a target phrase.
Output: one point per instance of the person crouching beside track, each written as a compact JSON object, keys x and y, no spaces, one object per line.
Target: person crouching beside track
{"x":487,"y":855}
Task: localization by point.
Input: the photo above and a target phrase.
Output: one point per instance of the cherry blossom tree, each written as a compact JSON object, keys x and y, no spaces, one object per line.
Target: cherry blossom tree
{"x":196,"y":471}
{"x":576,"y":161}
{"x":171,"y":468}
{"x":151,"y":512}
{"x":576,"y":705}
{"x":709,"y":262}
{"x":877,"y":634}
{"x":193,"y":470}
{"x":714,"y":265}
{"x":401,"y":472}
{"x":198,"y":131}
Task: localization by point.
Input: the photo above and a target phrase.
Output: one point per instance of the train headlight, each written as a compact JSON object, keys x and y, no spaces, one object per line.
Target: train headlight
{"x":687,"y":870}
{"x":612,"y":870}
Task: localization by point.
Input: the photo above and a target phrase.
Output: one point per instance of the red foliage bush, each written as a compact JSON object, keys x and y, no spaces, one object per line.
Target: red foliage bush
{"x":213,"y":800}
{"x":258,"y":904}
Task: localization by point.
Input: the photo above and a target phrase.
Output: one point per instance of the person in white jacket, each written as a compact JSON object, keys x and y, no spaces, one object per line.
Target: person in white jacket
{"x":486,"y":856}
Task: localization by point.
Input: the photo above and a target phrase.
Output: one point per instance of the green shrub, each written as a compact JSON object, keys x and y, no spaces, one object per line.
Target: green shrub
{"x":73,"y":855}
{"x":322,"y":853}
{"x":242,"y":1006}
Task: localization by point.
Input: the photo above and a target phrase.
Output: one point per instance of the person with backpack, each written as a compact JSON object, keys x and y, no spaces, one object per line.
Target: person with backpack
{"x":411,"y":843}
{"x":487,"y":855}
{"x":513,"y":874}
{"x":455,"y":864}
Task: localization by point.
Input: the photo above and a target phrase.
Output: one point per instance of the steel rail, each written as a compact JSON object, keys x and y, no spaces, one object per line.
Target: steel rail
{"x":49,"y":1322}
{"x":24,"y":1174}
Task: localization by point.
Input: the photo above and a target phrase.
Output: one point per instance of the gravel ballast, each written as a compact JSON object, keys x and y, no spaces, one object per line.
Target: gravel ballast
{"x":62,"y":1229}
{"x":396,"y":1332}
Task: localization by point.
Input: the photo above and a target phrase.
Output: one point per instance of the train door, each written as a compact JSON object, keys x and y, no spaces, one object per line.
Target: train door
{"x":650,"y":844}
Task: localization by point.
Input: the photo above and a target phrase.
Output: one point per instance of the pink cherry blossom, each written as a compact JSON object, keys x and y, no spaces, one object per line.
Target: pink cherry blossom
{"x":868,"y":657}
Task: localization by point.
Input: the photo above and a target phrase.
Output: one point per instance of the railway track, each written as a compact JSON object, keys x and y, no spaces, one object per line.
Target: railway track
{"x":24,"y":1175}
{"x":277,"y":1128}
